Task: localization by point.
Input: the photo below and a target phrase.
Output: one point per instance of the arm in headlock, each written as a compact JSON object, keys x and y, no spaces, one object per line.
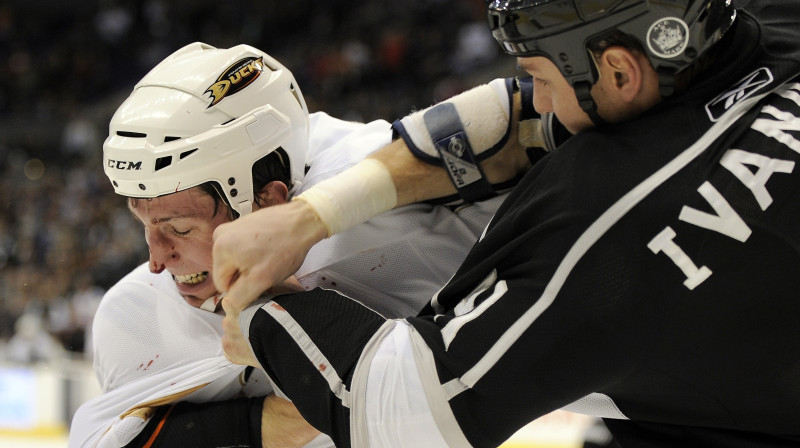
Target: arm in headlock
{"x":259,"y":250}
{"x":468,"y":148}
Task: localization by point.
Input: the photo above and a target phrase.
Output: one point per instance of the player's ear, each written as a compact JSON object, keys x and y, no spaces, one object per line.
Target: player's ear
{"x":273,"y":193}
{"x":625,"y":71}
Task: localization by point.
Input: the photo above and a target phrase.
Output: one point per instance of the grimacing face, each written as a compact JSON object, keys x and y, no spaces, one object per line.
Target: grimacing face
{"x":179,"y":228}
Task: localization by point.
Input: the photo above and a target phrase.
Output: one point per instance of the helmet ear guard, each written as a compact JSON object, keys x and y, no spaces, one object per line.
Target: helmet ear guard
{"x":672,"y":34}
{"x":207,"y":115}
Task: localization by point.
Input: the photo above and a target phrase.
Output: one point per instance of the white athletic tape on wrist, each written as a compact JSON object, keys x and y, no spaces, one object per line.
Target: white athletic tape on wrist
{"x":352,"y":197}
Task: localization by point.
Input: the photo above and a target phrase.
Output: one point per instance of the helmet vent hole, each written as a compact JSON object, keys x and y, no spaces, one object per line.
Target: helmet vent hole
{"x":170,"y":139}
{"x":296,"y":96}
{"x":163,"y":162}
{"x":131,"y":134}
{"x":187,"y":153}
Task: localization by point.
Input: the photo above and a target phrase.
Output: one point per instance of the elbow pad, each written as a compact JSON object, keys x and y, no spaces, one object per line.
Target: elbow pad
{"x":470,"y":127}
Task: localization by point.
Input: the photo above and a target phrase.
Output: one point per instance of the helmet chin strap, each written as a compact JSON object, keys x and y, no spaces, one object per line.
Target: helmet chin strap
{"x":666,"y":81}
{"x":583,"y":90}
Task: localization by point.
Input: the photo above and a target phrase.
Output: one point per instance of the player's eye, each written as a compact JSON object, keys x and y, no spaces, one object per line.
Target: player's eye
{"x":181,"y":233}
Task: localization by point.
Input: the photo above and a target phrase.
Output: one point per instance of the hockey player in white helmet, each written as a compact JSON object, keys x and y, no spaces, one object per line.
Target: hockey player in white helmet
{"x":208,"y":136}
{"x":213,"y":122}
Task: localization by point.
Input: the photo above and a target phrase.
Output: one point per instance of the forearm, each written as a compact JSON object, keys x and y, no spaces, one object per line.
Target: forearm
{"x":263,"y":248}
{"x":270,"y":422}
{"x":417,"y":181}
{"x":395,"y":176}
{"x":234,"y":422}
{"x":282,"y":426}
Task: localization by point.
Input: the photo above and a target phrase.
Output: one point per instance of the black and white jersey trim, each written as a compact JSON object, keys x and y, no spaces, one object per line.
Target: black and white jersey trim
{"x":584,"y":243}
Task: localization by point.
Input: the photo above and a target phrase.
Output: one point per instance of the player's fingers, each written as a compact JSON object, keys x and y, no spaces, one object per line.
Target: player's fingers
{"x":246,"y":288}
{"x":223,"y":277}
{"x":231,"y":315}
{"x":232,"y":332}
{"x":225,"y":270}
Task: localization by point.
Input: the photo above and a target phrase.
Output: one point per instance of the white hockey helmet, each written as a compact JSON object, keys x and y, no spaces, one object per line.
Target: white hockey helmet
{"x":206,"y":114}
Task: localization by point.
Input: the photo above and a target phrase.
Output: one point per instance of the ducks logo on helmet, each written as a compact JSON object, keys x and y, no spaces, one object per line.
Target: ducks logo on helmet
{"x":235,"y":78}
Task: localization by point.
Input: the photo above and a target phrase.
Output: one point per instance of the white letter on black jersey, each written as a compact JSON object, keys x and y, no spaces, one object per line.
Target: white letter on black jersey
{"x":726,"y":221}
{"x":784,"y":120}
{"x":791,"y":92}
{"x":663,"y":242}
{"x":735,"y":160}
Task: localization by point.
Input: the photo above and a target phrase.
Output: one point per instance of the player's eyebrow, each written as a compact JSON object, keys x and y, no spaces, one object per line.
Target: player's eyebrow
{"x":158,"y":220}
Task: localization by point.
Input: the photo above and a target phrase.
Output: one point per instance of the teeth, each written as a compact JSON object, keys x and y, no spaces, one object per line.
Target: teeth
{"x":192,"y":278}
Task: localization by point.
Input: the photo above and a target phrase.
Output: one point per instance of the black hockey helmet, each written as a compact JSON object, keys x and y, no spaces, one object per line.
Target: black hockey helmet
{"x":674,"y":33}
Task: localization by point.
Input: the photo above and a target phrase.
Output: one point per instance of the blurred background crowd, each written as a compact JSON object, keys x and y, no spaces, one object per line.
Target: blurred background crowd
{"x":65,"y":237}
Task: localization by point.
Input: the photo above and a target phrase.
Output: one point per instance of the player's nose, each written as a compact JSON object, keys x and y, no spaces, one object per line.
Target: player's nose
{"x":162,"y":252}
{"x":542,"y":102}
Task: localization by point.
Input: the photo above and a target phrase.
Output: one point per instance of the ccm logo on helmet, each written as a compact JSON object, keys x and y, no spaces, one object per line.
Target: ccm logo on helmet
{"x":124,"y":164}
{"x":235,"y":78}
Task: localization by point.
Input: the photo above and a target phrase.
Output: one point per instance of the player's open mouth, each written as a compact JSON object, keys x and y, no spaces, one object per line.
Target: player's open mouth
{"x":191,"y":279}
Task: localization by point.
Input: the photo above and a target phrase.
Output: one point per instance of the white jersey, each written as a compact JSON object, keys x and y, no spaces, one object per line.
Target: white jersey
{"x":395,"y":262}
{"x":151,"y":347}
{"x":150,"y":344}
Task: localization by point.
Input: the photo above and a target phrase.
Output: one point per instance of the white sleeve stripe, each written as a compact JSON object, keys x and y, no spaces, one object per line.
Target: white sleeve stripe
{"x":595,"y":232}
{"x":450,"y":330}
{"x":596,"y":405}
{"x":312,"y":352}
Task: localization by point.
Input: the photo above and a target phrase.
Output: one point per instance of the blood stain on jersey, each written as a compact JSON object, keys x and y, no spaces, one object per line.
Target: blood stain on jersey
{"x":235,"y":78}
{"x":277,"y":307}
{"x":143,"y":367}
{"x":380,"y":263}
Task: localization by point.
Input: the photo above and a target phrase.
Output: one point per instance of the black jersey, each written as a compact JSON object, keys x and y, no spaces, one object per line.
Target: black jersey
{"x":651,"y":267}
{"x":647,"y":272}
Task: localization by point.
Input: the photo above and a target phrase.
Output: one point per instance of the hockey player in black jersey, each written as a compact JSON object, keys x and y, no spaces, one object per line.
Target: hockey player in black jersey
{"x":644,"y":271}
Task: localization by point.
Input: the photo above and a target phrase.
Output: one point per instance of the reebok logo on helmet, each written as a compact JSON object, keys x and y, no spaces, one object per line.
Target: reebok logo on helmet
{"x":235,"y":78}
